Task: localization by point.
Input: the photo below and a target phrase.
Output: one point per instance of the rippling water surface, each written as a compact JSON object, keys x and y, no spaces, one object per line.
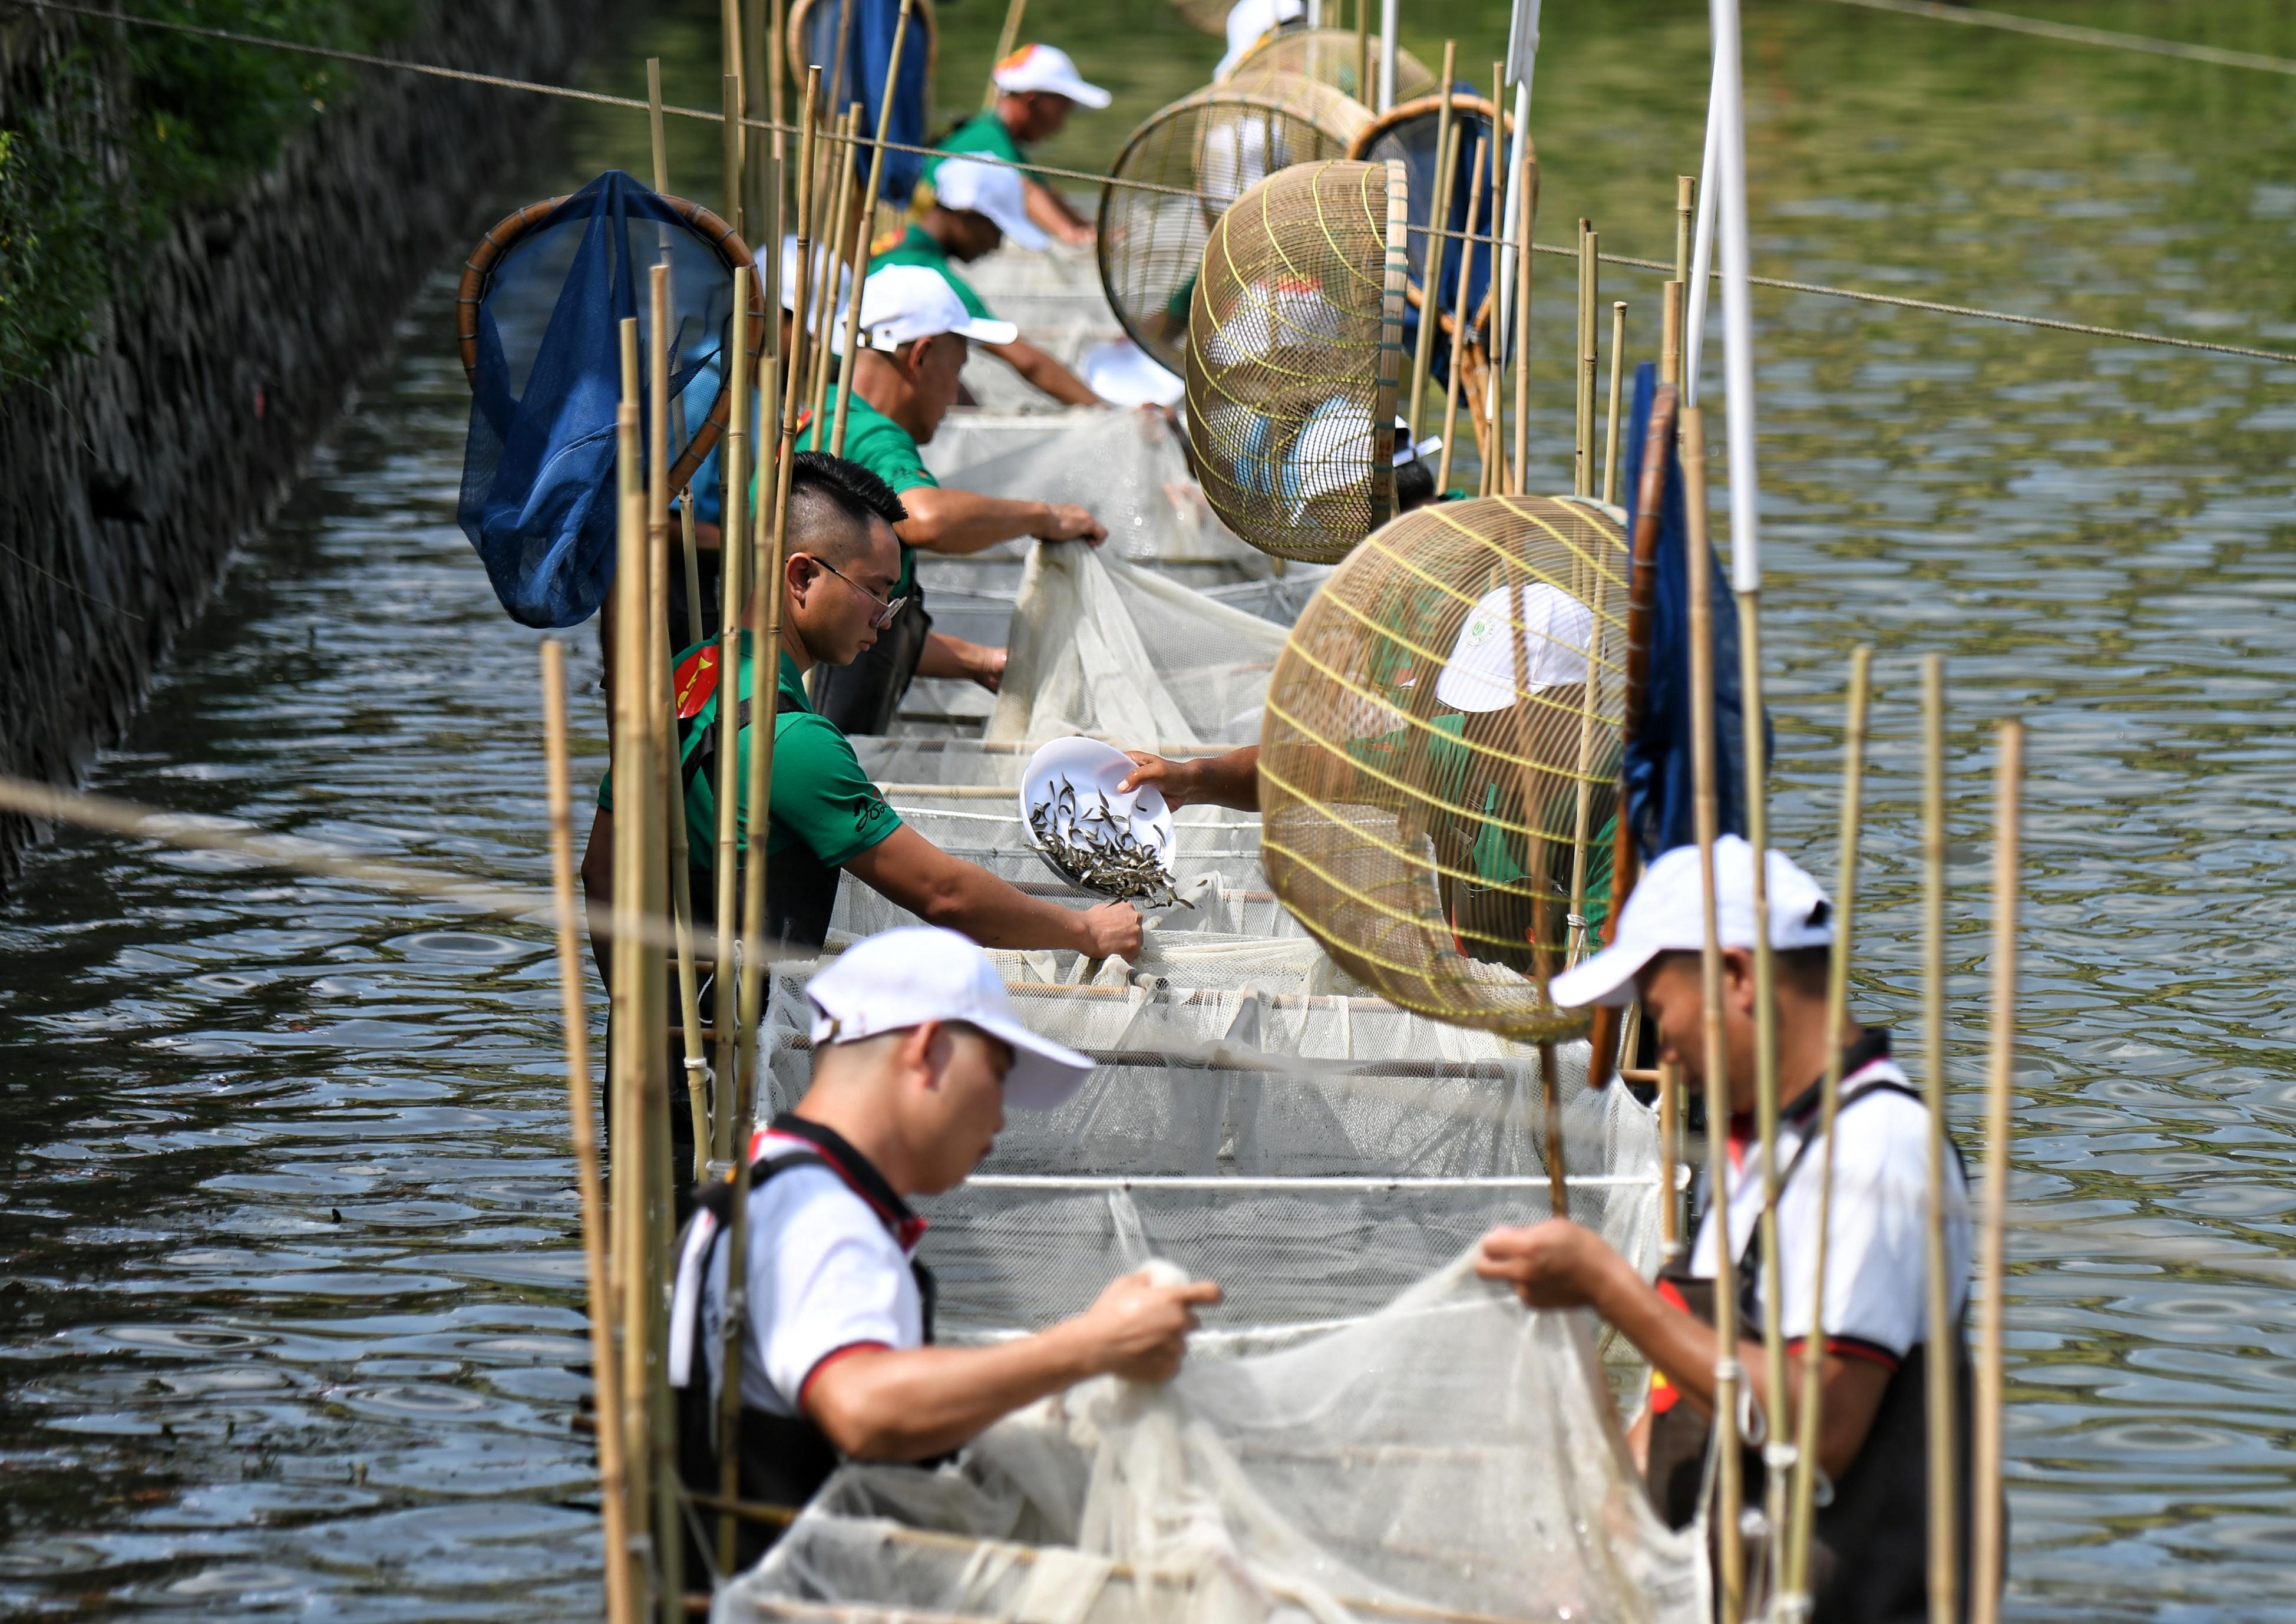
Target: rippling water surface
{"x":288,"y":1314}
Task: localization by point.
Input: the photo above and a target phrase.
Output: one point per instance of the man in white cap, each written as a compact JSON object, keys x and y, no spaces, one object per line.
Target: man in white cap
{"x":914,"y":335}
{"x":1036,"y":87}
{"x":1870,"y":1554}
{"x":976,"y":207}
{"x":916,"y":1055}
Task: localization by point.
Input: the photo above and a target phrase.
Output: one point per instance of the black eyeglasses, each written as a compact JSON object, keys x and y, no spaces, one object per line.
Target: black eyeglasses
{"x":886,"y":609}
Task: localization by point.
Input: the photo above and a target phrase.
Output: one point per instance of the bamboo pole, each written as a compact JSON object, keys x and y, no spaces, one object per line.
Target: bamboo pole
{"x":808,"y":207}
{"x":1986,"y":1554}
{"x":1583,"y":812}
{"x":869,"y":208}
{"x":1491,"y":437}
{"x":653,"y":124}
{"x":1430,"y":259}
{"x":730,"y":93}
{"x":664,"y":704}
{"x":621,"y":1593}
{"x":1590,"y":272}
{"x":1778,"y":1453}
{"x":1522,"y":224}
{"x":1728,"y":1372}
{"x":1793,"y":1593}
{"x":1558,"y":1172}
{"x":1455,"y":386}
{"x":837,"y":65}
{"x":834,"y":210}
{"x":631,"y":1037}
{"x":1006,"y":39}
{"x":1944,"y":1398}
{"x":1669,"y":351}
{"x":1670,"y":1133}
{"x":1611,"y":430}
{"x":770,"y":540}
{"x":734,"y":527}
{"x":1686,"y":207}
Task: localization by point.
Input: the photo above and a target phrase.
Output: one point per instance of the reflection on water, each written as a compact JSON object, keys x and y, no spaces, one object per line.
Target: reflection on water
{"x":290,"y":1305}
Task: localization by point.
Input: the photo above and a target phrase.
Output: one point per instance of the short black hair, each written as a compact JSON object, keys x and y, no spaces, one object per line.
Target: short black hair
{"x":831,"y":501}
{"x":847,"y":483}
{"x":1414,"y":486}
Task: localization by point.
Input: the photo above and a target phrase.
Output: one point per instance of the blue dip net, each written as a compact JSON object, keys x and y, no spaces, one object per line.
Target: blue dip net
{"x":544,"y":351}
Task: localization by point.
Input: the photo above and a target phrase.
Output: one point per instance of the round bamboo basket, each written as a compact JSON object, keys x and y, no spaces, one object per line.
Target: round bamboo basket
{"x":1439,"y":763}
{"x":1328,"y":57}
{"x":1213,"y":147}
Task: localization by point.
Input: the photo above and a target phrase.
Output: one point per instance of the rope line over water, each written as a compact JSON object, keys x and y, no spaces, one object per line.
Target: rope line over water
{"x":1923,"y":8}
{"x":2079,"y":35}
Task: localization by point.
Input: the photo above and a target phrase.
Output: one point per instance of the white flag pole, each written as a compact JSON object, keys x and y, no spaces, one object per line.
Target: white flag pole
{"x":1701,"y":250}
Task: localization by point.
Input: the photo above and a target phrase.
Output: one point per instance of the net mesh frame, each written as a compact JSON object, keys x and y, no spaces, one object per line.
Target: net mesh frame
{"x":1436,"y":860}
{"x":1328,"y":57}
{"x":1217,"y":142}
{"x":1295,"y":354}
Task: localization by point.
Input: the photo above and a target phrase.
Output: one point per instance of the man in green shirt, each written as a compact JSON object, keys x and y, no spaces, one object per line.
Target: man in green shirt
{"x":976,"y":207}
{"x":1036,"y":87}
{"x":914,"y":335}
{"x":840,"y":592}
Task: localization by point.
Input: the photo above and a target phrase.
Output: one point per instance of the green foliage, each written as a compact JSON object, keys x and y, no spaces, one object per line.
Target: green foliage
{"x":185,"y":122}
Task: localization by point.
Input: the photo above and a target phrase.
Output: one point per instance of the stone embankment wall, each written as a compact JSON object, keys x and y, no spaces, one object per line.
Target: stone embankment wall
{"x":128,"y":475}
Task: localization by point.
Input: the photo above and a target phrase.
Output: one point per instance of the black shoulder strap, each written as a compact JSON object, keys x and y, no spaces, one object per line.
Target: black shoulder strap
{"x":704,"y":750}
{"x":1883,"y":1084}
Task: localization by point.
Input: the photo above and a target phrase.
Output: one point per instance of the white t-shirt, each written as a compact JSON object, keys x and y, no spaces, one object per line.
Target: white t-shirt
{"x":1877,"y":1263}
{"x":827,"y":1274}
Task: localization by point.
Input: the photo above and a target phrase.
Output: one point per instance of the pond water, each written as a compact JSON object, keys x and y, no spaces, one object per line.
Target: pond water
{"x":289,"y":1315}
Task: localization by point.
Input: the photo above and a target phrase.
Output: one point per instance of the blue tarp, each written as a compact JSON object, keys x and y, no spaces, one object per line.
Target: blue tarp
{"x":537,"y":497}
{"x":1660,"y":784}
{"x":868,"y":52}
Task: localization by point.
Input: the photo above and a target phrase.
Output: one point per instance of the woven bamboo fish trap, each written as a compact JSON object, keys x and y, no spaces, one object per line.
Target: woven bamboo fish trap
{"x":1406,"y":134}
{"x":1440,"y":761}
{"x":1328,"y":56}
{"x":1295,"y":343}
{"x":1213,"y":147}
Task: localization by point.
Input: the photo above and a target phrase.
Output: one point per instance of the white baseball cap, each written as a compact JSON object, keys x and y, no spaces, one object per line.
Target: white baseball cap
{"x":900,"y":979}
{"x":1557,"y":631}
{"x":1667,"y":913}
{"x":1046,"y":68}
{"x":993,"y":189}
{"x":901,"y":303}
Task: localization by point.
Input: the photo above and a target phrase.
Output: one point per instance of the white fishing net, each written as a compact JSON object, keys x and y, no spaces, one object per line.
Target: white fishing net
{"x":1104,"y":647}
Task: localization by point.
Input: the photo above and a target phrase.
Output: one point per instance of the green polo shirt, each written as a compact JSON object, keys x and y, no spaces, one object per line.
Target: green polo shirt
{"x":983,"y":132}
{"x":885,"y":449}
{"x":821,"y":799}
{"x":921,"y":247}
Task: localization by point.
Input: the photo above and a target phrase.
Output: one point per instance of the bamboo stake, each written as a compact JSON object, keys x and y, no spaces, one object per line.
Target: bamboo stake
{"x":1454,"y":386}
{"x":1728,"y":1373}
{"x":837,"y":65}
{"x":1009,"y":37}
{"x":1669,"y":352}
{"x":653,"y":124}
{"x":632,"y":1036}
{"x":869,"y":208}
{"x":1670,"y":1132}
{"x":1686,"y":207}
{"x":731,"y":158}
{"x":621,"y":1595}
{"x":1430,"y":259}
{"x":1583,"y":813}
{"x":837,"y":170}
{"x":1522,"y":223}
{"x":1793,"y":1593}
{"x":1944,"y":1332}
{"x":1558,"y":1172}
{"x":1986,"y":1557}
{"x":680,"y":885}
{"x":1492,"y":441}
{"x":1778,"y":1453}
{"x":776,"y":69}
{"x":807,"y":206}
{"x":1590,"y":272}
{"x":734,"y":527}
{"x":1610,"y":432}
